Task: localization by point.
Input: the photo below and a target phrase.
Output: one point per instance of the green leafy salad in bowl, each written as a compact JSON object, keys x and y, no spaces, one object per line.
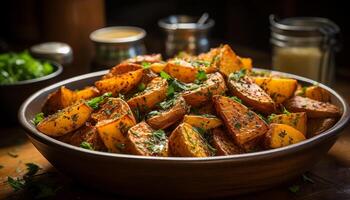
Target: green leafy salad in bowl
{"x":15,"y":67}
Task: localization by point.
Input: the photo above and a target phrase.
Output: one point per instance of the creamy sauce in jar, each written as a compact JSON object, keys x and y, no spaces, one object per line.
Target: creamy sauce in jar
{"x":117,"y":34}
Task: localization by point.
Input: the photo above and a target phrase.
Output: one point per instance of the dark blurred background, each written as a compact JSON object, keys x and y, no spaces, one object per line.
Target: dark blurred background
{"x":241,"y":23}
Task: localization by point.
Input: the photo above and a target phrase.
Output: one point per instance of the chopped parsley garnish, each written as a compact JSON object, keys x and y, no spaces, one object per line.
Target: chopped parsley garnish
{"x":285,"y":111}
{"x":263,"y":118}
{"x":86,"y":145}
{"x":170,"y":91}
{"x":294,"y":188}
{"x":201,"y":76}
{"x":141,"y":87}
{"x":146,"y":65}
{"x":157,"y":142}
{"x":236,"y":76}
{"x":16,"y":184}
{"x":236,"y":99}
{"x":200,"y":63}
{"x":38,"y":118}
{"x":270,"y":118}
{"x":238,"y":125}
{"x":165,"y":75}
{"x":95,"y":102}
{"x":32,"y":169}
{"x":152,"y":113}
{"x":120,"y":146}
{"x":167,"y":104}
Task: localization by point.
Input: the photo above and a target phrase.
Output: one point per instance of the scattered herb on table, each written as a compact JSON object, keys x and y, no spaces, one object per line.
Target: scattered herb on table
{"x":307,"y":179}
{"x":12,"y":154}
{"x":294,"y":189}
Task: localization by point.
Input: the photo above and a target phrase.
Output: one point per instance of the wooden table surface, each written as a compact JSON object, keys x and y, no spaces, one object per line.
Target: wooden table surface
{"x":330,"y":177}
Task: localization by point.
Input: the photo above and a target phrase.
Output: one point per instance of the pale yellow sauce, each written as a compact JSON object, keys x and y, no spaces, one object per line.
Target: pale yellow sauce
{"x":116,"y":34}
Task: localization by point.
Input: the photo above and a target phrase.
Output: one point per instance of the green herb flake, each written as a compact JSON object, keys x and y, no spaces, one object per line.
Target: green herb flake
{"x":157,"y":142}
{"x":38,"y":118}
{"x":141,"y":87}
{"x":238,"y":125}
{"x":32,"y":169}
{"x":294,"y":189}
{"x":16,"y":184}
{"x":270,"y":118}
{"x":236,"y":76}
{"x":236,"y":99}
{"x":86,"y":145}
{"x":165,"y":75}
{"x":146,"y":65}
{"x":285,"y":111}
{"x":95,"y":102}
{"x":201,"y":76}
{"x":307,"y":179}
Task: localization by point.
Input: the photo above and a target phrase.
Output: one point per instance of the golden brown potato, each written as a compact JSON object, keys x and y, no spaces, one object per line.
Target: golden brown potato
{"x":205,"y":122}
{"x":185,"y":141}
{"x":181,"y":70}
{"x":158,"y":67}
{"x":154,"y":93}
{"x":113,"y":132}
{"x":296,"y":120}
{"x":314,"y":92}
{"x":112,"y":108}
{"x":280,"y":135}
{"x":152,"y":58}
{"x":86,"y":133}
{"x":250,"y":93}
{"x":67,"y":120}
{"x":122,"y":68}
{"x":244,"y":125}
{"x":214,"y":85}
{"x":58,"y":100}
{"x":317,"y":126}
{"x":165,"y":118}
{"x":145,"y":141}
{"x":207,"y":108}
{"x":313,"y":108}
{"x":279,"y":89}
{"x":121,"y":83}
{"x":224,"y":144}
{"x":87,"y":93}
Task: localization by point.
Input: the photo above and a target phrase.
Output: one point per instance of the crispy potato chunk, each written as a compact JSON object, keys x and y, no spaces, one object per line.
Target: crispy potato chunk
{"x":113,"y":132}
{"x":154,"y":93}
{"x":87,"y":93}
{"x":66,"y":120}
{"x":313,"y":108}
{"x":185,"y":141}
{"x":58,"y":100}
{"x":166,"y":118}
{"x":122,"y":68}
{"x":279,"y":89}
{"x":214,"y":85}
{"x":296,"y":120}
{"x":86,"y":133}
{"x":181,"y":70}
{"x":314,"y":92}
{"x":145,"y":141}
{"x":317,"y":126}
{"x":120,"y":83}
{"x":112,"y":108}
{"x":224,"y":144}
{"x":243,"y":125}
{"x":158,"y":66}
{"x":246,"y":89}
{"x":280,"y":135}
{"x":205,"y":122}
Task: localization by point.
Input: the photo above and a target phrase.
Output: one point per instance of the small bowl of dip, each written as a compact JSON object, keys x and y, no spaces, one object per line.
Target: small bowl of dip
{"x":116,"y":43}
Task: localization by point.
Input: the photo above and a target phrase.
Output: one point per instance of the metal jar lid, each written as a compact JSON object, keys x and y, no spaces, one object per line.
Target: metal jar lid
{"x":303,"y":30}
{"x":184,"y":23}
{"x":56,"y":51}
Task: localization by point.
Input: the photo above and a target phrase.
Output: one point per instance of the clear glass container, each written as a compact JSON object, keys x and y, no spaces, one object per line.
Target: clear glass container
{"x":304,"y":46}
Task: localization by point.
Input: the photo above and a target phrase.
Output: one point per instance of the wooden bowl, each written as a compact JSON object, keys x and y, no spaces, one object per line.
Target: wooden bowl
{"x":175,"y":177}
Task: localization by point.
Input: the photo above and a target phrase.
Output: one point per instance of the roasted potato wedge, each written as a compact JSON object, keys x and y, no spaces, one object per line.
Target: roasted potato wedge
{"x":113,"y":132}
{"x":58,"y":100}
{"x":67,"y":120}
{"x":214,"y":85}
{"x":205,"y":122}
{"x":121,"y":83}
{"x":145,"y":141}
{"x":122,"y":68}
{"x":296,"y":120}
{"x":250,"y":93}
{"x":152,"y":58}
{"x":224,"y":144}
{"x":185,"y":141}
{"x":317,"y":126}
{"x":244,"y":125}
{"x":154,"y":93}
{"x":165,"y":118}
{"x":314,"y":92}
{"x":87,"y":93}
{"x":313,"y":108}
{"x":279,"y":89}
{"x":112,"y":108}
{"x":86,"y":133}
{"x":158,"y":67}
{"x":280,"y":135}
{"x":181,"y":70}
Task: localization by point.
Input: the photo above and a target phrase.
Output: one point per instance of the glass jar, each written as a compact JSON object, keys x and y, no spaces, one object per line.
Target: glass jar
{"x":304,"y":46}
{"x":183,"y":33}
